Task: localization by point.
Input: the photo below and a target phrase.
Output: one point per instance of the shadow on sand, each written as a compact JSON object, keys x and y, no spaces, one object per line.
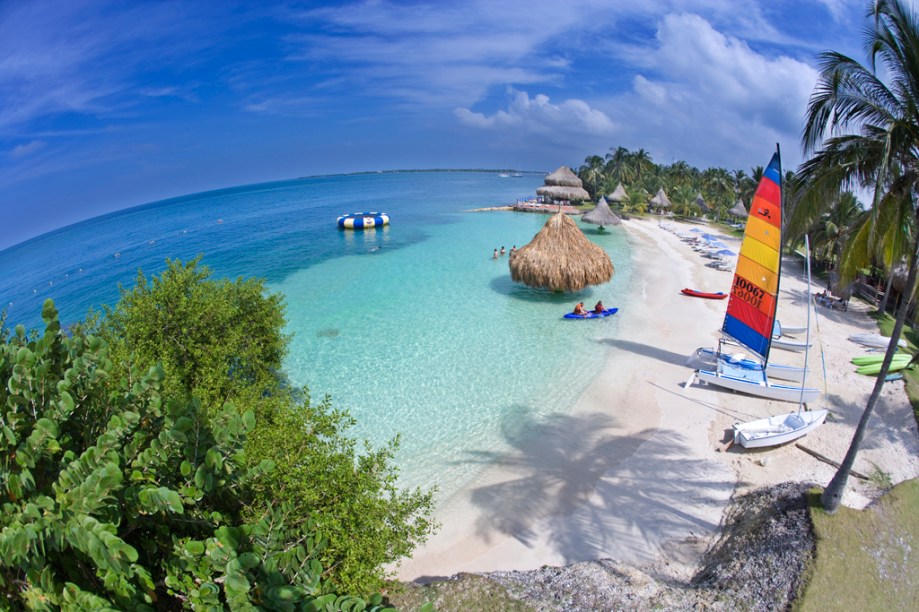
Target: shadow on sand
{"x":570,"y":477}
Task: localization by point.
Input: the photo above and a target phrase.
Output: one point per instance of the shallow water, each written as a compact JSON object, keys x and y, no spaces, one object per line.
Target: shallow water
{"x":413,"y":328}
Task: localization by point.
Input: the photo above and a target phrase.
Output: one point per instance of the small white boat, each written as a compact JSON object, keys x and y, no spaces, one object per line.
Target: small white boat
{"x":780,"y":329}
{"x":707,"y":359}
{"x":790,"y":345}
{"x":875,"y":340}
{"x":778,"y":429}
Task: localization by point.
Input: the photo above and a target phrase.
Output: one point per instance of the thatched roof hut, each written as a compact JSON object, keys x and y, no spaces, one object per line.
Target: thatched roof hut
{"x":738,"y":210}
{"x":602,"y":215}
{"x":660,"y":200}
{"x":700,"y":202}
{"x":563,"y":184}
{"x":561,"y":258}
{"x":619,"y":195}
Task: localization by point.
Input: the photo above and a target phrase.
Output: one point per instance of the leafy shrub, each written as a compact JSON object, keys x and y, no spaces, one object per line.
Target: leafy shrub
{"x":115,"y":497}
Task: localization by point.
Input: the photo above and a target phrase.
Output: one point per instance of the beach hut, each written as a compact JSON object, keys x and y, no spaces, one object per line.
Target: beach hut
{"x":561,"y":258}
{"x":700,"y":202}
{"x":660,"y":200}
{"x":738,"y":210}
{"x":602,"y":215}
{"x":619,"y":194}
{"x":563,"y":184}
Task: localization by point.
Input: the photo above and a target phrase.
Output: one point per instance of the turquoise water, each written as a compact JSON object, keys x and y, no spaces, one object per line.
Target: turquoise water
{"x":413,"y":328}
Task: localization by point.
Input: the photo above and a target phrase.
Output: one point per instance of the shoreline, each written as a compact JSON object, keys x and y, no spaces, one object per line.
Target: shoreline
{"x":637,"y":471}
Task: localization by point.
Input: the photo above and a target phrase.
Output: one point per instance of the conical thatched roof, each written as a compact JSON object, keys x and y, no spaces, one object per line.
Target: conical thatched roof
{"x":619,"y":195}
{"x":559,"y":192}
{"x":660,"y":199}
{"x":738,"y":210}
{"x":700,"y":202}
{"x":564,"y":177}
{"x":563,"y":184}
{"x":601,"y":215}
{"x":561,"y":258}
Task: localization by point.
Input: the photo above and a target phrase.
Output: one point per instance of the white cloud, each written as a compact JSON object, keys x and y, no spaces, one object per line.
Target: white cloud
{"x":538,"y":116}
{"x":24,"y":150}
{"x":709,"y":98}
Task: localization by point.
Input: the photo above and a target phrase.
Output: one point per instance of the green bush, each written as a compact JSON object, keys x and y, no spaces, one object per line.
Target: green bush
{"x":116,"y":498}
{"x":221,"y":341}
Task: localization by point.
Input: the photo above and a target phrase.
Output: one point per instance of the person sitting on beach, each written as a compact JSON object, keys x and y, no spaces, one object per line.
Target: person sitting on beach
{"x":599,"y":308}
{"x":579,"y":309}
{"x":502,"y":250}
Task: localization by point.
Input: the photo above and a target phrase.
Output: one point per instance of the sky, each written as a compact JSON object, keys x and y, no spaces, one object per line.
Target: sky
{"x":109,"y":105}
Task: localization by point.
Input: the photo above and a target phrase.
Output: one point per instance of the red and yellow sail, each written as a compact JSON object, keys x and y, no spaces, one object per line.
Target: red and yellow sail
{"x":751,"y":307}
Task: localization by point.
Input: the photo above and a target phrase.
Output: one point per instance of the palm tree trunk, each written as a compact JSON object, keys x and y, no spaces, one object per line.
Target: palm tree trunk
{"x":883,"y":305}
{"x":832,"y":495}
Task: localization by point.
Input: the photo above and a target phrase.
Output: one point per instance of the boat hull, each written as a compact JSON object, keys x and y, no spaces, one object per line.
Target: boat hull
{"x":756,"y":383}
{"x":707,"y":359}
{"x":875,"y":340}
{"x":704,"y":294}
{"x":788,"y":345}
{"x":779,"y":429}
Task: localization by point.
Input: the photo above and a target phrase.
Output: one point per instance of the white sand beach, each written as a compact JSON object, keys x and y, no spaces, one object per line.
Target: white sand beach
{"x":640,"y":471}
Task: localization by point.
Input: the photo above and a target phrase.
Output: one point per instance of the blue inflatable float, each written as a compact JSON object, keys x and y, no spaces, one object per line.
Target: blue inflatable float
{"x":363,"y":220}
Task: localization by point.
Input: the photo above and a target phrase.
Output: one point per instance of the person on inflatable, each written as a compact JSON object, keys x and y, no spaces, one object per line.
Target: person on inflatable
{"x":579,"y":309}
{"x":599,"y":308}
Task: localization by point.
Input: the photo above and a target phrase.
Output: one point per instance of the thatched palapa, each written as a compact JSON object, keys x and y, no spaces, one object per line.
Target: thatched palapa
{"x":602,"y":215}
{"x":619,"y":194}
{"x":700,"y":202}
{"x":738,"y":210}
{"x":563,"y":184}
{"x":561,"y":258}
{"x":660,"y":199}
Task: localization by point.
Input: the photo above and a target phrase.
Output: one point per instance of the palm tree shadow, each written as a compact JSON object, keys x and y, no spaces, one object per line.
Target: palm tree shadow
{"x":647,"y":350}
{"x":571,"y":475}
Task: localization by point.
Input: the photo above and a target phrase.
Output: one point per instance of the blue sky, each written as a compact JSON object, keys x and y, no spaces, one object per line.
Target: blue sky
{"x":107,"y":105}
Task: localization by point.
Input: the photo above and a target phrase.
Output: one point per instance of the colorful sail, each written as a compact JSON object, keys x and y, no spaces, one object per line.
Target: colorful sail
{"x":751,"y":308}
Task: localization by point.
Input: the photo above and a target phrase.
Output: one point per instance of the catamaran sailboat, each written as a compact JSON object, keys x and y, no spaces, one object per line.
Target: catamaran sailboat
{"x":750,"y":317}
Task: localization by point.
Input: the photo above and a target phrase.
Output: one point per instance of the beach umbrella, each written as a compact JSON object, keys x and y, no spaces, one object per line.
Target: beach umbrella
{"x":738,"y":210}
{"x":602,"y":215}
{"x":660,"y":199}
{"x":727,"y":252}
{"x":563,"y":184}
{"x":695,"y":229}
{"x":561,"y":258}
{"x":619,"y":194}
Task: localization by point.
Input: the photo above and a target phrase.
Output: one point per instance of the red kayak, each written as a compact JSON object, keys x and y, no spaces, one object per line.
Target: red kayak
{"x":703,"y":294}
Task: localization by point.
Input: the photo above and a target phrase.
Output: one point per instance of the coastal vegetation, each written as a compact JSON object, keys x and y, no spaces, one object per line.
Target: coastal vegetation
{"x":862,"y":128}
{"x":155,"y":456}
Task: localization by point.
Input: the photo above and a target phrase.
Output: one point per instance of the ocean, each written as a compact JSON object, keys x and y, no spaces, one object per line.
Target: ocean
{"x":413,"y":328}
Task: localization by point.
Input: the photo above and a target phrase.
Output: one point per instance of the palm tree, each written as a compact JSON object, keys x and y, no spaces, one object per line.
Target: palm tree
{"x":865,"y":130}
{"x":680,"y":173}
{"x":829,"y":234}
{"x":591,"y":173}
{"x":617,"y":165}
{"x":642,"y":163}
